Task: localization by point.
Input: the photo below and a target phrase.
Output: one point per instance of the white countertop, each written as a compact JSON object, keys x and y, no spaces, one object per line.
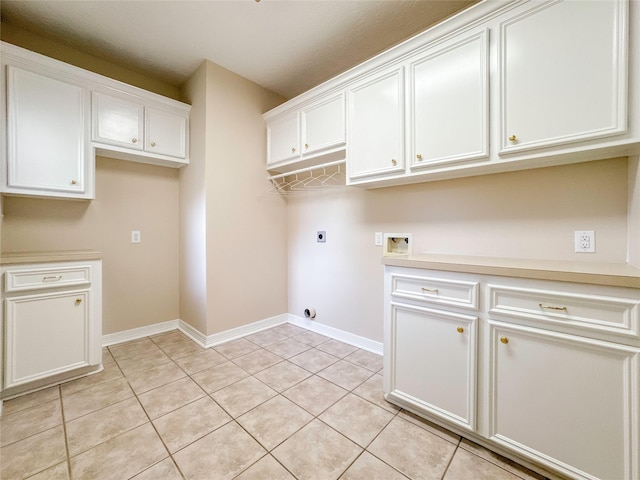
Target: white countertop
{"x":614,"y":274}
{"x":14,"y":258}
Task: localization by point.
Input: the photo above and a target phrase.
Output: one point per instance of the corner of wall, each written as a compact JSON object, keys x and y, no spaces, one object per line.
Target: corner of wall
{"x":633,"y":213}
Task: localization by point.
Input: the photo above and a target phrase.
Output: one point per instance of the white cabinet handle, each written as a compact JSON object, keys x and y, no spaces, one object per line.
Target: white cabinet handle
{"x":549,"y":307}
{"x":56,"y":278}
{"x":429,"y":290}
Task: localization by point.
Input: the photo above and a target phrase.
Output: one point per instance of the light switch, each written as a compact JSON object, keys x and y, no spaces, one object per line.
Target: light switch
{"x":135,"y":236}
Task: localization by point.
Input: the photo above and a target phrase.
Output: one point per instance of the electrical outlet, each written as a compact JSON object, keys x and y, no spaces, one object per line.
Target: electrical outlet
{"x":135,"y":236}
{"x":585,"y":241}
{"x":321,"y":237}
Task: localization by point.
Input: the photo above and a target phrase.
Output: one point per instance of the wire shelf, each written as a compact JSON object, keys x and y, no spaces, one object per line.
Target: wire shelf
{"x":318,"y":177}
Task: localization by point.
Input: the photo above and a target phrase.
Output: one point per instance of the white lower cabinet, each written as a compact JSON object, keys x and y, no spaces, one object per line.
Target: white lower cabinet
{"x":52,"y":323}
{"x":545,"y":372}
{"x":569,"y":399}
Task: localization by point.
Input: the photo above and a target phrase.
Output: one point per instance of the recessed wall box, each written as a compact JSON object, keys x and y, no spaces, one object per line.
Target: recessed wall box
{"x":397,"y":244}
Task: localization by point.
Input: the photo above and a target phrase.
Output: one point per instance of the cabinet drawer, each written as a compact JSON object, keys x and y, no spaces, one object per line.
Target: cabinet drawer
{"x":37,"y":279}
{"x":435,"y":290}
{"x":605,"y":314}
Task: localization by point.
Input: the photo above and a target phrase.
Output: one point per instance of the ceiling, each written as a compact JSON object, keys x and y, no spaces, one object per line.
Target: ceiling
{"x":287,"y":46}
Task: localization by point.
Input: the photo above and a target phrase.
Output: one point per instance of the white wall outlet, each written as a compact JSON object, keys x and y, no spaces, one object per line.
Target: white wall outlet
{"x":585,"y":241}
{"x":378,"y":239}
{"x":135,"y":236}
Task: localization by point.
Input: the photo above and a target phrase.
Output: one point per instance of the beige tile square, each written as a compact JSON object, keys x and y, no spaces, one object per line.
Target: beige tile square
{"x":372,"y":390}
{"x":273,"y":421}
{"x":345,"y":374}
{"x":287,"y":348}
{"x":94,"y":398}
{"x":133,"y":348}
{"x":169,"y":337}
{"x":312,"y":339}
{"x":236,"y":348}
{"x":164,"y":470}
{"x":266,"y":337}
{"x":171,"y":396}
{"x":57,"y":472}
{"x":90,"y":430}
{"x":282,"y":375}
{"x":26,"y":401}
{"x":189,"y":423}
{"x":443,"y":433}
{"x":110,"y":372}
{"x":27,"y":422}
{"x":221,"y":455}
{"x":242,"y":396}
{"x":181,"y":348}
{"x":314,"y":360}
{"x":220,"y":376}
{"x":315,"y":394}
{"x":317,"y":452}
{"x":467,"y":465}
{"x":499,"y":460}
{"x":267,"y":468}
{"x":121,"y":457}
{"x":288,"y":329}
{"x":256,"y":361}
{"x":357,"y":419}
{"x":155,"y":377}
{"x":368,"y":467}
{"x":202,"y":360}
{"x":337,"y":348}
{"x":412,"y":450}
{"x":33,"y":454}
{"x":364,"y":359}
{"x":144,"y":361}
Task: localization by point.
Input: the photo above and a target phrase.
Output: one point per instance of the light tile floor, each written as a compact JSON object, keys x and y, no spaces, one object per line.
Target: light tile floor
{"x":281,"y":404}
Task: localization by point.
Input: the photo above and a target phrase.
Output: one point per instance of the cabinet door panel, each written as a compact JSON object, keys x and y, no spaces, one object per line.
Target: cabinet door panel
{"x":434,"y":362}
{"x":567,"y":398}
{"x":323,"y":125}
{"x":165,"y":133}
{"x":117,"y":121}
{"x":45,"y":335}
{"x":448,"y":98}
{"x":376,"y":126}
{"x":283,"y":139}
{"x":563,"y":74}
{"x":46,"y":133}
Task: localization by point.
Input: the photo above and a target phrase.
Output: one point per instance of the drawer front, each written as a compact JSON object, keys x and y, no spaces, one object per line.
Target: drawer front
{"x":438,"y":291}
{"x":41,"y":278}
{"x":605,"y":314}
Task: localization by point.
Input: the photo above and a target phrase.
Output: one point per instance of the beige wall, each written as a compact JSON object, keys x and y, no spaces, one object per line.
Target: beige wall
{"x":530,"y":214}
{"x":140,"y":281}
{"x":244,"y":253}
{"x":633,"y":257}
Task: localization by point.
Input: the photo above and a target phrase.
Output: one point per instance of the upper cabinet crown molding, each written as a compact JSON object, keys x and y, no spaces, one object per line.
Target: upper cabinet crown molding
{"x":503,"y":85}
{"x":57,"y":117}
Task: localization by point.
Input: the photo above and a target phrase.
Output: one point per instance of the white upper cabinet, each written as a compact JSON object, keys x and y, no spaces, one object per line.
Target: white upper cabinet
{"x":448,"y":102}
{"x":307,"y":135}
{"x":376,"y":126}
{"x":47,"y":136}
{"x":165,"y":132}
{"x":563,"y":73}
{"x":117,"y":121}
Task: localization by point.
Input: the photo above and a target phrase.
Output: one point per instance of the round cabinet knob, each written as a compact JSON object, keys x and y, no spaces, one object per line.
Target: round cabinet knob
{"x":153,"y":144}
{"x":419,"y":157}
{"x":134,"y":140}
{"x":512,"y":138}
{"x":293,"y":150}
{"x":504,"y":340}
{"x":73,"y":182}
{"x":306,"y":145}
{"x":394,"y":161}
{"x":460,"y":330}
{"x":78,"y":301}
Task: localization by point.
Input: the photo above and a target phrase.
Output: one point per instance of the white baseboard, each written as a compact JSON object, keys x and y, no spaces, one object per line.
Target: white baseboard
{"x":207,"y":341}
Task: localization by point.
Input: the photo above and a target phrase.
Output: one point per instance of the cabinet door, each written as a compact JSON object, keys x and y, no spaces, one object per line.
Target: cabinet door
{"x":433,"y":362}
{"x":567,"y":400}
{"x":376,"y":126}
{"x":117,"y":121}
{"x":448,"y":103}
{"x":46,"y":335}
{"x":165,"y":133}
{"x":283,"y":139}
{"x":46,"y":136}
{"x":563,"y":74}
{"x":323,"y":125}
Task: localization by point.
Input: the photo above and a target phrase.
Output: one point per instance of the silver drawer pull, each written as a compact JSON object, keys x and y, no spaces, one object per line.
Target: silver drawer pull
{"x":429,"y":290}
{"x":548,"y":307}
{"x":57,"y":278}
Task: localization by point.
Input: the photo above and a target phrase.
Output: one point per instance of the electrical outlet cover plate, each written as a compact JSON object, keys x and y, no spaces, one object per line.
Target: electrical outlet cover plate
{"x":585,"y":241}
